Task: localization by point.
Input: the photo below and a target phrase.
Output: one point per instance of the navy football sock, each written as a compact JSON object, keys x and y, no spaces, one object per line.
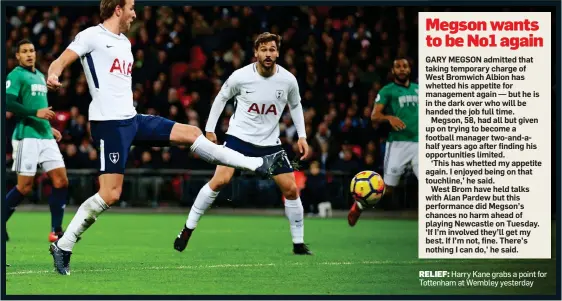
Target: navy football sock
{"x":57,"y":203}
{"x":13,"y":199}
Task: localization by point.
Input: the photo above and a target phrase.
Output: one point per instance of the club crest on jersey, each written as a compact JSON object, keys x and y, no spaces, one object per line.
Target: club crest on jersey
{"x":121,"y":67}
{"x":278,"y":93}
{"x":262,"y":110}
{"x":114,"y":157}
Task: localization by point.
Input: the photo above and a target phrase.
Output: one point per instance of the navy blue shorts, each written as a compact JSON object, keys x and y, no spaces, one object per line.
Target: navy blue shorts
{"x":250,"y":150}
{"x":114,"y":138}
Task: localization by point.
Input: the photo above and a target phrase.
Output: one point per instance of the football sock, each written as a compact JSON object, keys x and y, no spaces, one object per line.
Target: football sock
{"x":295,"y":214}
{"x":203,"y":201}
{"x":218,"y":154}
{"x":83,"y":219}
{"x":13,"y":199}
{"x":57,"y":203}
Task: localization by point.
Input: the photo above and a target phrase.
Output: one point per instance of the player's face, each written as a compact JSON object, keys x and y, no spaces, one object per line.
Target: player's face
{"x":267,"y":54}
{"x":26,"y":55}
{"x":401,"y":70}
{"x":128,"y":15}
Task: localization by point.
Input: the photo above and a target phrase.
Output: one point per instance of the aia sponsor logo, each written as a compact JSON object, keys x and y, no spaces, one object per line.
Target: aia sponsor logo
{"x":263,"y":109}
{"x":121,"y":67}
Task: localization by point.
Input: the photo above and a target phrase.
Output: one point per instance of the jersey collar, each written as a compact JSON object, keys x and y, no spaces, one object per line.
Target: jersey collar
{"x":28,"y":69}
{"x":120,"y":36}
{"x":255,"y":67}
{"x":401,"y":85}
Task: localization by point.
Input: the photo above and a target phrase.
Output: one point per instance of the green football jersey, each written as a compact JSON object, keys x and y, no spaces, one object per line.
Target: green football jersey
{"x":30,"y":89}
{"x":402,"y":102}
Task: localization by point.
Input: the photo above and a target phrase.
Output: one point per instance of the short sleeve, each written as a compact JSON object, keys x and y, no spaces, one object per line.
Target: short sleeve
{"x":13,"y":84}
{"x":82,"y":43}
{"x":382,"y":97}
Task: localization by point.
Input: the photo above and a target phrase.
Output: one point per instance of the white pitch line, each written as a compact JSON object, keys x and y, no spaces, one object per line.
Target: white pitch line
{"x":222,"y":266}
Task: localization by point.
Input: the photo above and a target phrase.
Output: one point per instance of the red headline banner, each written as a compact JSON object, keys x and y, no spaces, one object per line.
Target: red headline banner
{"x":482,"y":40}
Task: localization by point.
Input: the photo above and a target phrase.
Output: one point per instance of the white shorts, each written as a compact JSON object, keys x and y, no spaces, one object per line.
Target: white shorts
{"x":30,"y":152}
{"x":398,"y":155}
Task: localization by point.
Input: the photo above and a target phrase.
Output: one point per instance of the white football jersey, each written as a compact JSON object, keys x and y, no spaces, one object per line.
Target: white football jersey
{"x":259,"y":103}
{"x":107,"y":60}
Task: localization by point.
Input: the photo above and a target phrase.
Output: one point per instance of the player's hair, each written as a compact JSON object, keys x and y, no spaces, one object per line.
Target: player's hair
{"x":267,"y":37}
{"x":107,"y":7}
{"x":22,"y":42}
{"x":399,"y":58}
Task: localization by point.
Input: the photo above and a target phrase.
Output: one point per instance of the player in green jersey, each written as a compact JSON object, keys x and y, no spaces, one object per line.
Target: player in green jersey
{"x":397,"y":104}
{"x":34,"y":140}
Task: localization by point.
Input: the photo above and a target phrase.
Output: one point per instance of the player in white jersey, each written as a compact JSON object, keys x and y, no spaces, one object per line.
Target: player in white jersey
{"x":105,"y":53}
{"x":262,"y":91}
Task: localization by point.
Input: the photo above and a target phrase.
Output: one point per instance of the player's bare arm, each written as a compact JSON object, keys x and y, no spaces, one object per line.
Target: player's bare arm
{"x":56,"y":134}
{"x":57,"y":66}
{"x":378,"y":117}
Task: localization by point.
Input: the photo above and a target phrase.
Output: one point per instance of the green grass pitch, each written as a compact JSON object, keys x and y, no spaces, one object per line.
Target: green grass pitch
{"x":129,"y":254}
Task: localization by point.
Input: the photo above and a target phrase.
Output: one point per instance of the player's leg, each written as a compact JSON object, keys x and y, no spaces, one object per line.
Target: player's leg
{"x":88,"y":212}
{"x":16,"y":195}
{"x":25,"y":156}
{"x":158,"y":130}
{"x":395,"y":160}
{"x":216,"y":154}
{"x":414,"y":149}
{"x":208,"y":194}
{"x":52,"y":162}
{"x":204,"y":199}
{"x":57,"y":200}
{"x":285,"y":180}
{"x":85,"y":217}
{"x":405,"y":153}
{"x":113,"y":140}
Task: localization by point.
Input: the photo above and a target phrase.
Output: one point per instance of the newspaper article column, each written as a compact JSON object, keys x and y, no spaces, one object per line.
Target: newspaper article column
{"x":485,"y":135}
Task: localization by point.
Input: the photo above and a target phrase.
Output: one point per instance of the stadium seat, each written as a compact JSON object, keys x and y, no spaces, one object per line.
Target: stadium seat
{"x":198,"y":58}
{"x":325,"y":209}
{"x":177,"y":72}
{"x":357,"y":150}
{"x":61,"y":120}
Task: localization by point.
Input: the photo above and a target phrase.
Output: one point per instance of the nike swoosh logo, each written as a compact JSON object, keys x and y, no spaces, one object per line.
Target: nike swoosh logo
{"x":248,"y":92}
{"x":108,"y":46}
